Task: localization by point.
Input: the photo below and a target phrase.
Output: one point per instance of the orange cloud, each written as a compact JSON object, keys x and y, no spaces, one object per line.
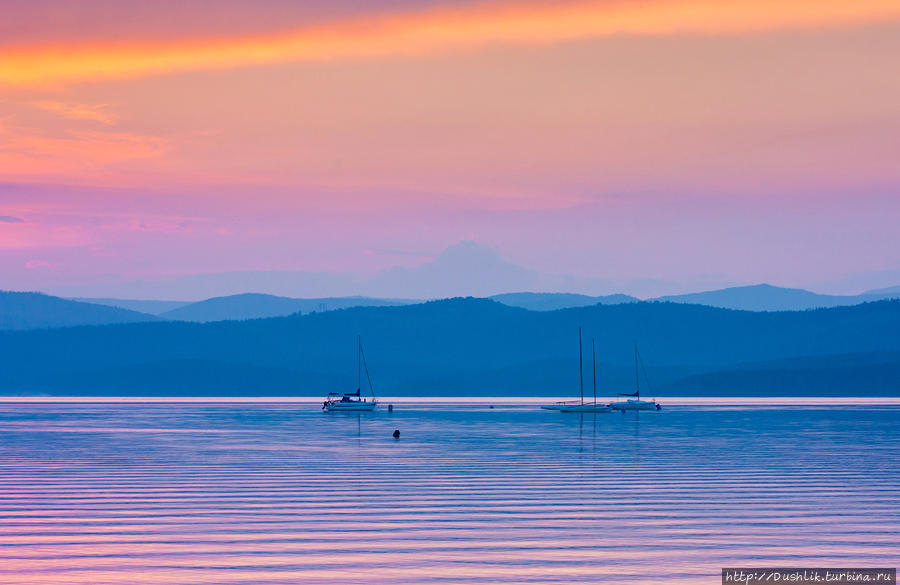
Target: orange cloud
{"x":437,"y":30}
{"x":24,"y":152}
{"x":91,"y":112}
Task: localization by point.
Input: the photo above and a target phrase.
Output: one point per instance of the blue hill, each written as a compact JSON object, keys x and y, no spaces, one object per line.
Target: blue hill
{"x":455,"y":346}
{"x":553,"y":301}
{"x":765,"y":297}
{"x":256,"y":306}
{"x":28,"y":310}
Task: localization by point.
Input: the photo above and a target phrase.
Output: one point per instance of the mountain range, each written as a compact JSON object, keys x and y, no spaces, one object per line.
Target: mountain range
{"x":765,"y":297}
{"x":257,"y":306}
{"x":466,"y":268}
{"x":28,"y":310}
{"x":761,"y":297}
{"x":35,"y":310}
{"x":469,"y":346}
{"x":150,"y":307}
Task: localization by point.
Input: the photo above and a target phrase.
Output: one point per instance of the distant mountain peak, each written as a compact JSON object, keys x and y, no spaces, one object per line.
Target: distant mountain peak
{"x":469,"y":252}
{"x":766,"y":297}
{"x":760,"y":287}
{"x":467,"y":268}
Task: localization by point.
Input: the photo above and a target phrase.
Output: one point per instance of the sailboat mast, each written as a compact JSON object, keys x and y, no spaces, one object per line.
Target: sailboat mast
{"x":637,"y":378}
{"x":594,"y":360}
{"x":366,"y":368}
{"x":358,"y":363}
{"x":580,"y":368}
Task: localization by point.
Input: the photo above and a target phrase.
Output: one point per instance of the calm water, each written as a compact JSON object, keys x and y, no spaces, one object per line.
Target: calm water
{"x":281,"y":493}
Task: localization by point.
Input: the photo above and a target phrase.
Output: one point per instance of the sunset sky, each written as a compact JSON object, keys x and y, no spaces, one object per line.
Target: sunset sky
{"x":733,"y":142}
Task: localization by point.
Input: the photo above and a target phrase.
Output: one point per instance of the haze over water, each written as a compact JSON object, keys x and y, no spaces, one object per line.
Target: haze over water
{"x":261,"y":493}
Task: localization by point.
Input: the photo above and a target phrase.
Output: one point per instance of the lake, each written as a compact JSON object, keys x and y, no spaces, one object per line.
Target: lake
{"x":274,"y":492}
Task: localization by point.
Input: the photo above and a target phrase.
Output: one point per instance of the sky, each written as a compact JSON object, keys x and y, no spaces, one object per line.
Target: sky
{"x":676,"y":140}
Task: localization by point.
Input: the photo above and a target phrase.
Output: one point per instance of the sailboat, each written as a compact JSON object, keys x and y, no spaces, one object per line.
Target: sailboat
{"x":352,"y":401}
{"x":590,"y":406}
{"x":635,"y":402}
{"x":569,"y":403}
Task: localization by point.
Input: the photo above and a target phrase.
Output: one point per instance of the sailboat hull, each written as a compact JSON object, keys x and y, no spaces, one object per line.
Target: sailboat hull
{"x":561,"y":405}
{"x":350,"y":407}
{"x":635,"y":405}
{"x":587,"y":408}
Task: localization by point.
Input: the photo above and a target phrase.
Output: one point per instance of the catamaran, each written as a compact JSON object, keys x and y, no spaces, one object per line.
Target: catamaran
{"x":635,"y":402}
{"x":352,"y":401}
{"x":586,"y":406}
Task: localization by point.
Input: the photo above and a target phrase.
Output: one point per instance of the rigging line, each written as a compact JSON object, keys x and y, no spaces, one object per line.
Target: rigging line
{"x":637,"y":378}
{"x":644,"y":371}
{"x":580,"y":367}
{"x":366,"y":366}
{"x":594,"y":360}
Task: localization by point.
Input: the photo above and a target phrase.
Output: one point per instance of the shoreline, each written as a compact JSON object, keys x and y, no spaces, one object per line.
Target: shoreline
{"x":761,"y":401}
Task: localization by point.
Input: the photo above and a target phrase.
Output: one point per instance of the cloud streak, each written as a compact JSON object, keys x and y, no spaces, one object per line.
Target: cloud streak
{"x":90,"y":112}
{"x":10,"y":219}
{"x":28,"y":153}
{"x":435,"y":31}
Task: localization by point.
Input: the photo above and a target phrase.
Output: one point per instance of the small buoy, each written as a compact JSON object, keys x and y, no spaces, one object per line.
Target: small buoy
{"x":492,"y":406}
{"x":396,"y":433}
{"x":390,"y":408}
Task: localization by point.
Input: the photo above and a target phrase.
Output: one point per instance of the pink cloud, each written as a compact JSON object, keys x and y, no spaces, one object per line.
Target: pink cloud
{"x":35,"y":264}
{"x":37,"y":235}
{"x":156,"y":225}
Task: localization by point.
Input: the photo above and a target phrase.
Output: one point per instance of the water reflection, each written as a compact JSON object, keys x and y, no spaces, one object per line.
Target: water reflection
{"x":274,"y":493}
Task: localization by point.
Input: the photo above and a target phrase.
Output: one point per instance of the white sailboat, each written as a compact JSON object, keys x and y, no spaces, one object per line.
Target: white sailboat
{"x":589,"y":406}
{"x":352,"y":401}
{"x":635,"y":402}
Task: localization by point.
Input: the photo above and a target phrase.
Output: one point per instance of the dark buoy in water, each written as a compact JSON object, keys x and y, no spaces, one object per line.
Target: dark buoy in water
{"x":396,"y":433}
{"x":491,"y":406}
{"x":390,"y":408}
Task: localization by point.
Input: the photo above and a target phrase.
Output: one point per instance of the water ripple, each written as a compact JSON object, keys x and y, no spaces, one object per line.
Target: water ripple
{"x":266,"y":493}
